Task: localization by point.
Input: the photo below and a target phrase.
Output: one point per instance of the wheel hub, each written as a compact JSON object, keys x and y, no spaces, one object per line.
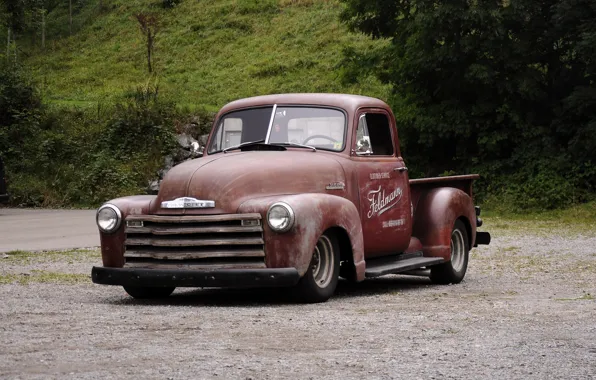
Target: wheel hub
{"x":323,"y":262}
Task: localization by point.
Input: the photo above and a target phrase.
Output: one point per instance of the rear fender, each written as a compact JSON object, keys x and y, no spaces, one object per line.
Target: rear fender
{"x":314,"y":213}
{"x":434,"y":217}
{"x":112,"y":245}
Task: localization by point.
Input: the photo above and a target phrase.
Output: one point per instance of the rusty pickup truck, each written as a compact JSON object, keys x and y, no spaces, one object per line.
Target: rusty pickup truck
{"x":293,"y":190}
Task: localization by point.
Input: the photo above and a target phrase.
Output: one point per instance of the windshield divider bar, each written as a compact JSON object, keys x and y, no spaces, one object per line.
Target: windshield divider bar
{"x":270,"y":124}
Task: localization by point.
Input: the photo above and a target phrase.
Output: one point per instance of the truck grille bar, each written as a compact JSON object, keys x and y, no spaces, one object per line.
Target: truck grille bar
{"x":231,"y":241}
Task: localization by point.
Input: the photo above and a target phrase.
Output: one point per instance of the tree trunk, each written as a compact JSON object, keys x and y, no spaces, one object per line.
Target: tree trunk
{"x":43,"y":29}
{"x":149,"y":49}
{"x":8,"y":44}
{"x":70,"y":17}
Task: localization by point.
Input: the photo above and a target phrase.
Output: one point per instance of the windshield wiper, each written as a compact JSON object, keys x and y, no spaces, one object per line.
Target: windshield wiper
{"x":243,"y":145}
{"x":296,"y":145}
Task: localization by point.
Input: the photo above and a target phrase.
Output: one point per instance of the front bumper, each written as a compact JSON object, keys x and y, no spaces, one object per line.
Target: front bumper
{"x":222,"y":278}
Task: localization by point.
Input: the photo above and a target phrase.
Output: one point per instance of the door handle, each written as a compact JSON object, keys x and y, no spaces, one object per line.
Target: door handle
{"x":401,"y":170}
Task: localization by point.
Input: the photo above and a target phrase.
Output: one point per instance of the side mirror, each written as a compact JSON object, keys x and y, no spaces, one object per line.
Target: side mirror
{"x":363,"y":147}
{"x":196,"y":150}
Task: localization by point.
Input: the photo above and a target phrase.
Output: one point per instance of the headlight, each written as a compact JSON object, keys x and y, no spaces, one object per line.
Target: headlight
{"x":280,"y":217}
{"x":108,"y":218}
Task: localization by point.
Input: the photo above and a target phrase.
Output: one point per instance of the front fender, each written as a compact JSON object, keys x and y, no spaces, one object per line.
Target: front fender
{"x":315,"y":213}
{"x":434,"y":217}
{"x":112,"y":245}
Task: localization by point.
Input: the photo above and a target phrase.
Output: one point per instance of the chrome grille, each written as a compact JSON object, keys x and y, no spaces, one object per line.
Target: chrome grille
{"x":201,"y":242}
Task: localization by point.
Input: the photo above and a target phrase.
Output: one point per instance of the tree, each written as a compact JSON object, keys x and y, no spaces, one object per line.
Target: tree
{"x":43,"y":28}
{"x":502,"y":85}
{"x":14,"y":20}
{"x":149,"y":25}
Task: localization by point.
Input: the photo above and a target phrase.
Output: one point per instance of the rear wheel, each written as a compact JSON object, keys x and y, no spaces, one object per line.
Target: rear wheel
{"x":320,"y":280}
{"x":143,"y":292}
{"x":453,"y":271}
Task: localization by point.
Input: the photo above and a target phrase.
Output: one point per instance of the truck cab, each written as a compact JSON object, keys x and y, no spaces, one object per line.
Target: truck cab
{"x":294,"y":190}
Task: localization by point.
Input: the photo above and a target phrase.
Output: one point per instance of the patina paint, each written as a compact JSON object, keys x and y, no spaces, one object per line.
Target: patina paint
{"x":434,"y":216}
{"x":315,"y":214}
{"x":112,"y":245}
{"x":236,"y":177}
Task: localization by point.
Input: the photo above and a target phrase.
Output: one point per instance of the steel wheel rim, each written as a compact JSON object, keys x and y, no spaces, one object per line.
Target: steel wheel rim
{"x":323,"y":262}
{"x":458,"y":250}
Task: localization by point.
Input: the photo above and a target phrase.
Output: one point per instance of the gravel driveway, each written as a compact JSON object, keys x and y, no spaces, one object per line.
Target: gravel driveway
{"x":526,"y":310}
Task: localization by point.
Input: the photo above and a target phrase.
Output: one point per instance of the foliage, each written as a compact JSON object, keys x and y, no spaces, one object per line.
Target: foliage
{"x":168,"y":4}
{"x":504,"y":88}
{"x":20,"y":109}
{"x":58,"y":156}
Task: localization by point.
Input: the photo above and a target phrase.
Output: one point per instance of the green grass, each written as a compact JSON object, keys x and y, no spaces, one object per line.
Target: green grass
{"x":206,"y":52}
{"x":578,"y":214}
{"x":32,"y":257}
{"x":578,"y":219}
{"x":584,"y":297}
{"x":17,"y":266}
{"x":41,"y":276}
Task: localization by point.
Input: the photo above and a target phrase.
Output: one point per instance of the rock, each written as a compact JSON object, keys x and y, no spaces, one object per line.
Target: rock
{"x":184,"y":140}
{"x":168,"y":163}
{"x":189,"y":148}
{"x":154,"y":186}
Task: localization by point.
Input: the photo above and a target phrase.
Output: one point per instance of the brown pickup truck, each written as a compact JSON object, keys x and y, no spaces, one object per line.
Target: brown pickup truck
{"x":294,"y":191}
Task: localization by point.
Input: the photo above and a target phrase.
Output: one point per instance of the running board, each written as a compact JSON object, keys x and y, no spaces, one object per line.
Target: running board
{"x":399,"y":264}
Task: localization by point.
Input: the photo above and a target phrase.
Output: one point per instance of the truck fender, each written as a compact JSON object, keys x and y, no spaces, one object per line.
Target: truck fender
{"x":314,"y":214}
{"x":112,"y":245}
{"x":434,"y":216}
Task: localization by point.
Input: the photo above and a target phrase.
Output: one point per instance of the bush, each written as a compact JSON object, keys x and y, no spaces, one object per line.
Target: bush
{"x":83,"y":157}
{"x":20,"y":111}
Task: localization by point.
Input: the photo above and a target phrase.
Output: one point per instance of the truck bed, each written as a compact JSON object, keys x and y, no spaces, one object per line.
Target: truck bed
{"x":462,"y":182}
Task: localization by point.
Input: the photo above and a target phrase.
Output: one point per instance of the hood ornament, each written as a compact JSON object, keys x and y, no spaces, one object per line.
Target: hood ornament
{"x":188,"y":202}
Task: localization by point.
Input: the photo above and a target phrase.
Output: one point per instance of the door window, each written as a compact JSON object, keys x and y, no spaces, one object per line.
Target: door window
{"x":373,"y":136}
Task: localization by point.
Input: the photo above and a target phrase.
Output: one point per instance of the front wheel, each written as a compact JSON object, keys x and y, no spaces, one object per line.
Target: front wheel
{"x":143,"y":292}
{"x":320,"y":280}
{"x":453,"y":271}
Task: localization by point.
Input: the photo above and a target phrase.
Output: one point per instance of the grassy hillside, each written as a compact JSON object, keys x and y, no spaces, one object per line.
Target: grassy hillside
{"x":206,"y":52}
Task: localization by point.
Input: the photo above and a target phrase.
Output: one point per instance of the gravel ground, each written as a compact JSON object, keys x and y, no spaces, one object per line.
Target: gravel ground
{"x":526,"y":310}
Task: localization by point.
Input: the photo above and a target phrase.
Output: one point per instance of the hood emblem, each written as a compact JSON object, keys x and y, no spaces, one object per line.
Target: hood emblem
{"x":187,"y":202}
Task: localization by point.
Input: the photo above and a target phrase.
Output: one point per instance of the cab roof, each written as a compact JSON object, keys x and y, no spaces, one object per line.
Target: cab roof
{"x":349,"y":103}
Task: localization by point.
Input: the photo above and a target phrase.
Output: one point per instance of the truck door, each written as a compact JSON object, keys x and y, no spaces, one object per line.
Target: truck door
{"x":385,"y":209}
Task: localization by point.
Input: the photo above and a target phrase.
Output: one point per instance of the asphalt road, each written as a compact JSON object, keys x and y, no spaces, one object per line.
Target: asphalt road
{"x":35,"y":230}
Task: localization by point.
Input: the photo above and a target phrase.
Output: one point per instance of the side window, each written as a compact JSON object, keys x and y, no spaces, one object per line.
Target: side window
{"x":373,"y":136}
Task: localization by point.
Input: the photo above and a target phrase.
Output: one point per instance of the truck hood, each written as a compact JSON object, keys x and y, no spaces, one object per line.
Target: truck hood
{"x":230,"y":179}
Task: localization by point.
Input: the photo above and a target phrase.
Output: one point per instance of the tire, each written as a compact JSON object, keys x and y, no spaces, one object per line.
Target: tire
{"x":320,"y":280}
{"x":453,"y":271}
{"x":141,"y":292}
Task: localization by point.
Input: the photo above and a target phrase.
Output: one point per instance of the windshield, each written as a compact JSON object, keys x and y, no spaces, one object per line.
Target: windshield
{"x":322,"y":128}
